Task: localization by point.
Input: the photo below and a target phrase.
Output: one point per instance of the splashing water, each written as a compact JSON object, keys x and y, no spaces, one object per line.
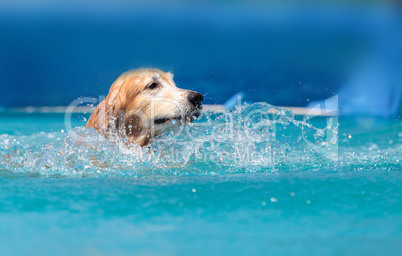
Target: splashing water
{"x":254,"y":138}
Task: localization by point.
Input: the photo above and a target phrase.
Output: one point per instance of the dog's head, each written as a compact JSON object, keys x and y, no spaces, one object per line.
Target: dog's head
{"x":143,"y":103}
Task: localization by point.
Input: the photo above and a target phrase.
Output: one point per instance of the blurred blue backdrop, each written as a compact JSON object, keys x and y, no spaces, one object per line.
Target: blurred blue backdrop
{"x":284,"y":54}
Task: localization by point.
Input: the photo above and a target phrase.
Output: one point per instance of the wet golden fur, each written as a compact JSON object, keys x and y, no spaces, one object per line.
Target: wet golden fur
{"x":133,"y":109}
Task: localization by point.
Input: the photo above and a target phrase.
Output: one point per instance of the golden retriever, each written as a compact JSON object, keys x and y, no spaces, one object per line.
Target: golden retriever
{"x":142,"y":104}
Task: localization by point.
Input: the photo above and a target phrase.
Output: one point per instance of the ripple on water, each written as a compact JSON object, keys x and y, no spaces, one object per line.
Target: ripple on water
{"x":247,"y":139}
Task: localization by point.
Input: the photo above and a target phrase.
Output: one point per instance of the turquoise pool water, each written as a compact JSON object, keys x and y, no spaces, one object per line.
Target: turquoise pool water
{"x":279,"y":186}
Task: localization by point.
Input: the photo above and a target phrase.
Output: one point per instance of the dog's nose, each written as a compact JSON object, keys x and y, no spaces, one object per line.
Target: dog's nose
{"x":195,"y":98}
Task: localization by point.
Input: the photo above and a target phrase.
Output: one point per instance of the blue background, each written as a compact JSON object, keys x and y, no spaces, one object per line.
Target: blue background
{"x":287,"y":55}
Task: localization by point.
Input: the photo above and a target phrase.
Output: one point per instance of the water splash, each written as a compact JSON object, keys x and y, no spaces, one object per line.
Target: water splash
{"x":254,"y":138}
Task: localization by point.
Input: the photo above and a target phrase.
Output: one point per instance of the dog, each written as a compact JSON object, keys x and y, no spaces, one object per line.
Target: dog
{"x":143,"y":103}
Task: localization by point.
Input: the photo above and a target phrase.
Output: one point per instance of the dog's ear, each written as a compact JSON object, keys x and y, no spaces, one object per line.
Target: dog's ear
{"x":98,"y":120}
{"x":134,"y":128}
{"x":108,"y":114}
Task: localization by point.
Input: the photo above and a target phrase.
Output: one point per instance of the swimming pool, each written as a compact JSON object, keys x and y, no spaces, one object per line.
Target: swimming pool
{"x":220,"y":186}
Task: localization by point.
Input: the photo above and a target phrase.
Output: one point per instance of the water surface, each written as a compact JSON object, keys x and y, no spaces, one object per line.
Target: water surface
{"x":315,"y":191}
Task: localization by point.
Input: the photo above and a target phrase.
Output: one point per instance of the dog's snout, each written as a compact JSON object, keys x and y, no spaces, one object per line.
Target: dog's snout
{"x":195,"y":98}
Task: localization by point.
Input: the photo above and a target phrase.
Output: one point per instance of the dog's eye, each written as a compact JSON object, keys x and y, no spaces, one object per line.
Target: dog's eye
{"x":152,"y":86}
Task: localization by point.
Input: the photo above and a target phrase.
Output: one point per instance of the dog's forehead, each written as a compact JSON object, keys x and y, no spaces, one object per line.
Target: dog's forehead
{"x":166,"y":78}
{"x":139,"y":79}
{"x":156,"y":76}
